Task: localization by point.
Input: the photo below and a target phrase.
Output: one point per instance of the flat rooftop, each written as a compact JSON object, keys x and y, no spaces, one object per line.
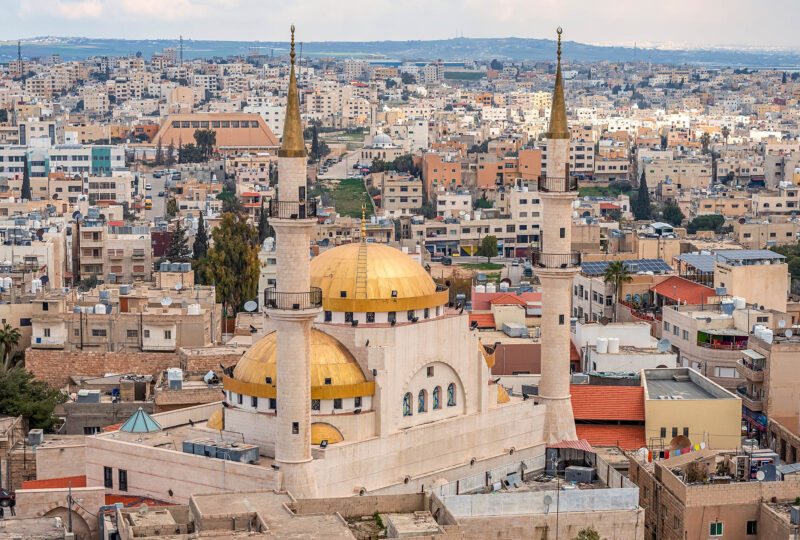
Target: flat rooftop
{"x":31,"y":529}
{"x":680,"y":383}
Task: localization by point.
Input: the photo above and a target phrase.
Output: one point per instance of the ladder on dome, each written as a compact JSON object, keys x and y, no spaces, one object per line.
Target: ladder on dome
{"x":361,"y":270}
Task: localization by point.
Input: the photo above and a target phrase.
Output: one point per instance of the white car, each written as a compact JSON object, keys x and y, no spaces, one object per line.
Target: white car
{"x":148,"y":187}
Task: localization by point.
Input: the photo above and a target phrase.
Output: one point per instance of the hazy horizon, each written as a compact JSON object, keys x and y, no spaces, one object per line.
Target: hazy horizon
{"x":680,"y":23}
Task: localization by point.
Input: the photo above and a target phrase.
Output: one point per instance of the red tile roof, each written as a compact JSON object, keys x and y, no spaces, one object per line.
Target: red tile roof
{"x":134,"y":501}
{"x":573,"y":352}
{"x":582,"y":444}
{"x":626,"y":437}
{"x":608,"y":206}
{"x":485,"y":320}
{"x":596,"y":402}
{"x":55,"y":483}
{"x":508,"y":298}
{"x":677,"y":288}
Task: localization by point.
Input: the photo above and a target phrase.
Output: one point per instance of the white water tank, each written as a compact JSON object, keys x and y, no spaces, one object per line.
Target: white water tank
{"x":503,"y":286}
{"x":766,"y":335}
{"x":8,"y":282}
{"x":480,"y":288}
{"x":602,"y":345}
{"x":613,"y":345}
{"x":739,"y":302}
{"x":100,"y":309}
{"x":193,"y":309}
{"x":491,"y":288}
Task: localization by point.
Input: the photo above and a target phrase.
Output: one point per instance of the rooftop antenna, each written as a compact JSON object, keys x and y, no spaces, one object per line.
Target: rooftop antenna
{"x":181,"y":38}
{"x":19,"y":61}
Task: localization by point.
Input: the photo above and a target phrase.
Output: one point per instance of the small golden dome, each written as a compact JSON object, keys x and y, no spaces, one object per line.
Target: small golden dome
{"x":216,"y":420}
{"x":329,"y":360}
{"x":325,"y":432}
{"x":390,"y":280}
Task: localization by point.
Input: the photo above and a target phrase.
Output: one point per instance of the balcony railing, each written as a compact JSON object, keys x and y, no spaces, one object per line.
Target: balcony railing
{"x":292,"y":209}
{"x":750,"y":371}
{"x":754,"y":403}
{"x":541,"y":259}
{"x":293,"y":301}
{"x":558,"y":184}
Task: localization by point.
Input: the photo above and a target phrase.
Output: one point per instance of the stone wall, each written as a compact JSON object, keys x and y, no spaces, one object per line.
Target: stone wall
{"x":55,"y":367}
{"x":60,"y":461}
{"x":208,"y":358}
{"x":367,"y":505}
{"x":20,"y":466}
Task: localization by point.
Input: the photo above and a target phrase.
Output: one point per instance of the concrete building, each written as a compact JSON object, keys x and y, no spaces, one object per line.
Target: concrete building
{"x":235,"y":131}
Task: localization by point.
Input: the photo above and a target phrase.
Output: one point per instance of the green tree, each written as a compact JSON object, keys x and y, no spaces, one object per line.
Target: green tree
{"x":265,"y":230}
{"x":3,"y":115}
{"x":170,"y":157}
{"x":9,"y":339}
{"x":427,"y":210}
{"x":22,"y":394}
{"x":206,"y":140}
{"x":617,"y":273}
{"x":711,"y":222}
{"x":172,"y":206}
{"x":488,"y":248}
{"x":378,"y":165}
{"x":482,"y":203}
{"x":26,"y":179}
{"x":189,"y":153}
{"x":588,"y":533}
{"x":408,"y":78}
{"x":88,"y":283}
{"x":671,"y":213}
{"x":705,"y":140}
{"x":405,"y":163}
{"x":232,"y":264}
{"x":231,"y":204}
{"x":641,"y":206}
{"x":178,"y":249}
{"x":159,"y":159}
{"x":200,"y":246}
{"x":725,"y":132}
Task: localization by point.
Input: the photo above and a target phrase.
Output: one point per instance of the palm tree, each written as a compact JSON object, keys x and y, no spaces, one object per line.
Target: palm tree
{"x":617,"y":273}
{"x":9,"y":336}
{"x":725,"y":134}
{"x":9,"y":339}
{"x":705,"y":140}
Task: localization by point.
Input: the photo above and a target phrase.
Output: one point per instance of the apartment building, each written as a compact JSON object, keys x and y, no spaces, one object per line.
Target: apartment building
{"x":401,"y":195}
{"x":759,"y":234}
{"x":783,"y":200}
{"x":69,"y":159}
{"x":112,"y":253}
{"x":611,"y":169}
{"x":686,"y":173}
{"x":451,"y":204}
{"x":440,"y":171}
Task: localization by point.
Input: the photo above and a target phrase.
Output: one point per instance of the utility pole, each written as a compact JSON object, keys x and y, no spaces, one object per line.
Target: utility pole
{"x":181,"y":50}
{"x":19,"y":61}
{"x":69,"y":506}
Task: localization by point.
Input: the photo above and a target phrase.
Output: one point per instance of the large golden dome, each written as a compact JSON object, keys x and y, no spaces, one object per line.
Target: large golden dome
{"x":334,"y":371}
{"x":389,"y":281}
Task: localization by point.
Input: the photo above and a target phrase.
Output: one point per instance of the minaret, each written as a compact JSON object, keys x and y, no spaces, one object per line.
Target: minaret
{"x":292,"y":304}
{"x":556,"y":265}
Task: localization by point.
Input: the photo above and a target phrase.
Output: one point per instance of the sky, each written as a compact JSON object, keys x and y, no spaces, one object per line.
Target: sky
{"x":764,"y":24}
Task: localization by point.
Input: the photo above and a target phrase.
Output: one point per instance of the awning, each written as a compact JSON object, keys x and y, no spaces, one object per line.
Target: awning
{"x":753,"y":354}
{"x":582,"y":444}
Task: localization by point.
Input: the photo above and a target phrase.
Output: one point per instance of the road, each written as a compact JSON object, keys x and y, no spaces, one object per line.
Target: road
{"x":340,"y":170}
{"x":159,"y":203}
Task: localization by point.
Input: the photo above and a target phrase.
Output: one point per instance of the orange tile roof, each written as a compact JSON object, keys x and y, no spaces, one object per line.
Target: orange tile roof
{"x":508,"y":298}
{"x":134,"y":501}
{"x":626,"y":437}
{"x":580,"y":444}
{"x":55,"y":483}
{"x":596,"y":402}
{"x":485,"y":320}
{"x":677,"y":288}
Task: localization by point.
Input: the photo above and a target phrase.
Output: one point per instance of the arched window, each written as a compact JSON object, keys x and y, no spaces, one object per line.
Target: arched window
{"x":437,"y":398}
{"x":422,"y":402}
{"x":407,"y":404}
{"x":451,"y":395}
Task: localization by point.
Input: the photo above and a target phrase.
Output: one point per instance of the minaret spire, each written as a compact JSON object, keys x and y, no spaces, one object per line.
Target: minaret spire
{"x":558,"y":109}
{"x":363,"y":222}
{"x":292,"y":144}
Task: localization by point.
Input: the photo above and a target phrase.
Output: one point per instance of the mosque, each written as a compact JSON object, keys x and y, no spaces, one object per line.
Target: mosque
{"x":371,"y":382}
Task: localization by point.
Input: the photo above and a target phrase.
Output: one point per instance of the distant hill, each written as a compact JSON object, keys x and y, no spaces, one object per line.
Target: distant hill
{"x":74,"y":48}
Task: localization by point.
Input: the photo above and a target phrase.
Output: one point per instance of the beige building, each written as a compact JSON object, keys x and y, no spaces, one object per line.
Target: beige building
{"x":401,"y":195}
{"x":759,"y":276}
{"x":761,"y":234}
{"x":113,"y":253}
{"x":685,"y":173}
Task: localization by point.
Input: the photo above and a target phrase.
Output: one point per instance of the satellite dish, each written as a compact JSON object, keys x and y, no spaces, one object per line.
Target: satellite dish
{"x":604,"y":320}
{"x":178,"y":286}
{"x":789,"y":333}
{"x":250,"y":306}
{"x":166,"y":301}
{"x":547,"y":499}
{"x":76,"y":215}
{"x":742,"y":221}
{"x":708,"y":320}
{"x":663,"y":345}
{"x":760,"y":476}
{"x":781,"y":323}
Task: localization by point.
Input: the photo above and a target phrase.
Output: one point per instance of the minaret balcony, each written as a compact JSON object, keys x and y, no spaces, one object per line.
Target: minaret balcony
{"x":292,"y":209}
{"x":293,"y":301}
{"x":558,"y":184}
{"x":542,"y":259}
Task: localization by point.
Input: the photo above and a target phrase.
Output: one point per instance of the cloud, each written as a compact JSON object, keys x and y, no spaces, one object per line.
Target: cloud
{"x":84,"y":9}
{"x":163,"y":9}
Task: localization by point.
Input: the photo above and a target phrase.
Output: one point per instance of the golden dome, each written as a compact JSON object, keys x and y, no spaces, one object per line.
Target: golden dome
{"x":216,"y":420}
{"x":388,"y":270}
{"x":329,"y":360}
{"x":325,"y":432}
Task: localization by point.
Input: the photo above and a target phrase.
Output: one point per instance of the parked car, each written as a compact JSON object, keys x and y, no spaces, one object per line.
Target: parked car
{"x":6,"y":498}
{"x":160,"y":193}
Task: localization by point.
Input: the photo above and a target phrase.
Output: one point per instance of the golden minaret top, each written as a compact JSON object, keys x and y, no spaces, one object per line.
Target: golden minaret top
{"x":558,"y":110}
{"x":292,"y":144}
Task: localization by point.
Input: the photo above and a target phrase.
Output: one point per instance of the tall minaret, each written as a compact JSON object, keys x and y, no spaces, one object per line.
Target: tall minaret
{"x":292,"y":304}
{"x":556,"y":265}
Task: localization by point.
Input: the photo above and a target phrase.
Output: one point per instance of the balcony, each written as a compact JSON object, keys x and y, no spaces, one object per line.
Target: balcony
{"x":750,"y":371}
{"x":138,"y":254}
{"x":753,"y":403}
{"x":558,"y":184}
{"x":541,"y":259}
{"x":292,"y":209}
{"x":293,"y":301}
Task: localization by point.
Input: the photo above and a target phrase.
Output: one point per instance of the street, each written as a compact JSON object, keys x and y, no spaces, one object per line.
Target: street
{"x":340,"y":170}
{"x":159,"y":203}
